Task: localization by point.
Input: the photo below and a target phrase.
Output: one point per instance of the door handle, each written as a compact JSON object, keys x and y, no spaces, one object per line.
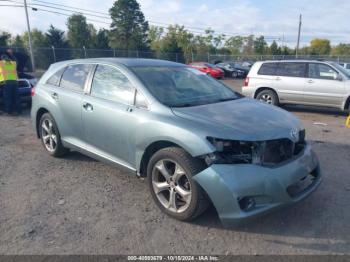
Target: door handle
{"x":310,"y":81}
{"x":278,"y":78}
{"x":54,"y":96}
{"x":88,"y":107}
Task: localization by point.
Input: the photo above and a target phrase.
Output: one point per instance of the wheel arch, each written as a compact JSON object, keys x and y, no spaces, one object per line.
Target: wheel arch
{"x":257,"y":91}
{"x":151,"y":149}
{"x":347,"y":104}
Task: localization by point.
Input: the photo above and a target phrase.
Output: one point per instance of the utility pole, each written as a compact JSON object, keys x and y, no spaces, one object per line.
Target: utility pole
{"x":29,"y":37}
{"x":296,"y":51}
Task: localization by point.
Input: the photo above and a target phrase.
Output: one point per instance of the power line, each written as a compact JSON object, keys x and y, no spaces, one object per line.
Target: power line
{"x":106,"y":15}
{"x":70,"y":10}
{"x":34,"y":8}
{"x":13,"y":5}
{"x":59,"y":13}
{"x":193,"y":30}
{"x":83,"y":9}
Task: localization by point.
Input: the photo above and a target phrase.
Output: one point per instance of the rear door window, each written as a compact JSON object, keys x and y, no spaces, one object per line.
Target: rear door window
{"x":268,"y":69}
{"x":111,"y":84}
{"x":291,"y":69}
{"x":74,"y":77}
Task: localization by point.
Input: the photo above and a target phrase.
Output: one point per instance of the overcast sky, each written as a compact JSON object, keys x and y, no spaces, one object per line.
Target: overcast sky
{"x":272,"y":18}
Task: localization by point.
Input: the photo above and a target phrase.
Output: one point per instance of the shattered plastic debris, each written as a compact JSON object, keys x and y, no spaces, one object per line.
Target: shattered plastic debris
{"x":320,"y":124}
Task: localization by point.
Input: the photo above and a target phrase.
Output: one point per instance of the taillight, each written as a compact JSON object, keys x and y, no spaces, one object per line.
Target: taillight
{"x":246,"y":81}
{"x":32,"y":92}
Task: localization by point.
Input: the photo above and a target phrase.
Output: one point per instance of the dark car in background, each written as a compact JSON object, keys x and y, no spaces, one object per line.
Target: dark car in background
{"x":25,"y":89}
{"x":32,"y":80}
{"x":208,"y":69}
{"x":230,"y":70}
{"x":235,"y":69}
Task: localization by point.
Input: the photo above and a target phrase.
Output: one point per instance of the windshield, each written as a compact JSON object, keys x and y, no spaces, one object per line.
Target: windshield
{"x":183,"y":86}
{"x":341,"y":69}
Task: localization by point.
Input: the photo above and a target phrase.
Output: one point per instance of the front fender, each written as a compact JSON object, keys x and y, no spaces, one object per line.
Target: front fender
{"x":194,"y":144}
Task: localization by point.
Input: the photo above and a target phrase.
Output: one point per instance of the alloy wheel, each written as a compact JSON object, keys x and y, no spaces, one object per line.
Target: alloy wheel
{"x":266,"y":98}
{"x":171,"y":185}
{"x":49,"y":135}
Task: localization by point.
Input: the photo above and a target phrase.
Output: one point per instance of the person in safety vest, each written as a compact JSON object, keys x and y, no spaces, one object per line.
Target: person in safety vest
{"x":8,"y":83}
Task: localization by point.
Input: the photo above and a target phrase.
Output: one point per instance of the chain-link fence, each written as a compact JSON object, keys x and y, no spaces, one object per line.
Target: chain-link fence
{"x":44,"y":56}
{"x":254,"y":58}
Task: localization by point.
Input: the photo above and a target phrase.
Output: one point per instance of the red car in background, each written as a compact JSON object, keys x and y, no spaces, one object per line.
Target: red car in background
{"x":208,"y":69}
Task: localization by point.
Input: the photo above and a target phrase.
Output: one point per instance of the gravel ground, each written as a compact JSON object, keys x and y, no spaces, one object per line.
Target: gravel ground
{"x":76,"y":205}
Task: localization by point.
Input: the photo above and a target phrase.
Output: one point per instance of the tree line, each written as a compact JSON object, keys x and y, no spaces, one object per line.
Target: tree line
{"x":129,"y":30}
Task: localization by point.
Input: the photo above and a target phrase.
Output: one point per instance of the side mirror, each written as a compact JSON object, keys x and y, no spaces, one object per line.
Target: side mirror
{"x":338,"y":77}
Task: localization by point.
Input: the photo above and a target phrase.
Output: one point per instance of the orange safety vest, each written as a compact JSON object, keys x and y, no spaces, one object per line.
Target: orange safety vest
{"x":8,"y":70}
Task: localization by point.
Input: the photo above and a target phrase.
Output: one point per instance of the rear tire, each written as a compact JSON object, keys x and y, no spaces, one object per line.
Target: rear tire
{"x":268,"y":96}
{"x":50,"y":136}
{"x":169,"y":175}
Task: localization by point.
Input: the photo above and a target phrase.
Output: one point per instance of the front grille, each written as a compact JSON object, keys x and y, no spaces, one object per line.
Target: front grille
{"x":280,"y":150}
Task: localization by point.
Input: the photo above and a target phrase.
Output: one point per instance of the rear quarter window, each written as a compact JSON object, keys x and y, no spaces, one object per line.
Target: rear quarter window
{"x":55,"y":78}
{"x":74,"y":77}
{"x":267,"y":69}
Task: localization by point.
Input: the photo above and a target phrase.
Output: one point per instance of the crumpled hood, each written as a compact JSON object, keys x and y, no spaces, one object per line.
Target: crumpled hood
{"x":242,"y":119}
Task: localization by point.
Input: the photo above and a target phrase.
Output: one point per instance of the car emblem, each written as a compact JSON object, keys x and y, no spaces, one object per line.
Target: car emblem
{"x":294,"y":134}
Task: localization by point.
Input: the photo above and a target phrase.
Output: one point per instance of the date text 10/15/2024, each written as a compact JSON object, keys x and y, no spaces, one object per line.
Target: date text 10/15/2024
{"x":173,"y":258}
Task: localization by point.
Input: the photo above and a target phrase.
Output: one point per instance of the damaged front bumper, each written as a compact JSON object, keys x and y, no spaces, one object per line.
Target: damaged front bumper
{"x":243,"y":191}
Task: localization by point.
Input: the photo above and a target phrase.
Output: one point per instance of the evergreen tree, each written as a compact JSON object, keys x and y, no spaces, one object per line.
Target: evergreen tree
{"x":55,"y":37}
{"x":79,"y":32}
{"x":4,"y":39}
{"x":260,"y":45}
{"x":101,"y":40}
{"x":129,"y":27}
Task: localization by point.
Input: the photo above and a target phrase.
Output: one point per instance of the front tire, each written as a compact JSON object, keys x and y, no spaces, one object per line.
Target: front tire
{"x":169,"y":175}
{"x":50,"y":136}
{"x":268,"y":96}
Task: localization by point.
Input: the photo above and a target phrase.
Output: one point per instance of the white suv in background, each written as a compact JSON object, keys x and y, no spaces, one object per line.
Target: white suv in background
{"x":305,"y":82}
{"x":346,"y":66}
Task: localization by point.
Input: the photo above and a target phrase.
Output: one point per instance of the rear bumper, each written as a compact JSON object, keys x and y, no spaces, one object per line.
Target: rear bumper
{"x":270,"y":188}
{"x":217,"y":75}
{"x":248,"y":91}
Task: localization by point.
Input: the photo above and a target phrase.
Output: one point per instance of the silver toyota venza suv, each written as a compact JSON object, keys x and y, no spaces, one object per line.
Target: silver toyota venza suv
{"x":196,"y":140}
{"x":305,"y":82}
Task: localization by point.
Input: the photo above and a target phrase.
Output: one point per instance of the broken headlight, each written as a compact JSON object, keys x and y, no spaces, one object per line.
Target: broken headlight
{"x":235,"y":152}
